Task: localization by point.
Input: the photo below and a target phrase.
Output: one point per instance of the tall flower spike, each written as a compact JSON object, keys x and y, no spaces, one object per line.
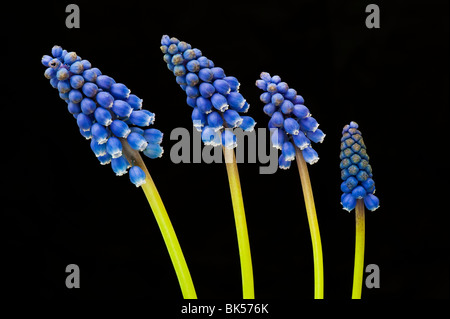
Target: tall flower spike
{"x":107,"y":113}
{"x":293,"y":129}
{"x":218,"y":106}
{"x":289,"y":114}
{"x":209,"y":91}
{"x":358,"y":190}
{"x":102,"y":107}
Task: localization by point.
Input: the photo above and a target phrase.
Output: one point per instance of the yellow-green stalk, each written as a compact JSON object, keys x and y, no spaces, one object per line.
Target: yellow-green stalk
{"x":241,"y":224}
{"x":165,"y":226}
{"x":313,"y":224}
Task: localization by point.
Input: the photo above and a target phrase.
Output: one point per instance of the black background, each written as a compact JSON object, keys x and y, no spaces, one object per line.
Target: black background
{"x":62,"y":207}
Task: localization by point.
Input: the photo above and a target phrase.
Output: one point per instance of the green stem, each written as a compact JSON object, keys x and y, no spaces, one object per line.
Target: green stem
{"x":165,"y":226}
{"x":359,"y":249}
{"x":313,"y":224}
{"x":241,"y":224}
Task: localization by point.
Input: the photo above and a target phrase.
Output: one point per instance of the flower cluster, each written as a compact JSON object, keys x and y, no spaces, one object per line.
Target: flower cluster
{"x":105,"y":111}
{"x":356,"y":171}
{"x":214,"y":97}
{"x":291,"y":122}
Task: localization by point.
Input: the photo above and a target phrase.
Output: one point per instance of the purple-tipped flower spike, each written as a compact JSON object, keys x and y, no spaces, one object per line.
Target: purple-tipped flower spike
{"x":356,"y":171}
{"x":213,"y":95}
{"x":288,"y":112}
{"x":104,"y":110}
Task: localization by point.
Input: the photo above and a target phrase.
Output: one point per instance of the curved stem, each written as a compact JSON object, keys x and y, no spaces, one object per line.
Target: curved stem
{"x":241,"y":224}
{"x":313,"y":224}
{"x":359,"y":249}
{"x":165,"y":226}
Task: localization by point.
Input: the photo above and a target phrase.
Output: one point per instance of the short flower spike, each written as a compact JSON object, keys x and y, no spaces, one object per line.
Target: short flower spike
{"x":105,"y":111}
{"x":214,"y":96}
{"x":356,"y":171}
{"x":291,"y":117}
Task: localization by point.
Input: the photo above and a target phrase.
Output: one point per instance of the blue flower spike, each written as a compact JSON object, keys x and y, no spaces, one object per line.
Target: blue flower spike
{"x":290,"y":116}
{"x":358,"y":188}
{"x":293,"y":131}
{"x":107,"y":113}
{"x":218,"y":108}
{"x":214,"y":96}
{"x":356,"y":171}
{"x":104,"y":110}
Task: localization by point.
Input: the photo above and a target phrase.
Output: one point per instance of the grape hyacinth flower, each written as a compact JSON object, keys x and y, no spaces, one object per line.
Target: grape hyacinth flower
{"x":356,"y":171}
{"x":293,"y":129}
{"x":214,"y":97}
{"x":291,"y":120}
{"x":113,"y":119}
{"x":218,"y":107}
{"x":106,"y":112}
{"x":358,"y":190}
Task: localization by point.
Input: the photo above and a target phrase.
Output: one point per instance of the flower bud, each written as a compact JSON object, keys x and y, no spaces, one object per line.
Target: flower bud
{"x":103,"y":116}
{"x":291,"y":126}
{"x":206,"y":75}
{"x":76,"y":68}
{"x":210,"y":136}
{"x":301,"y":141}
{"x":90,"y":75}
{"x":248,"y":123}
{"x":235,"y":100}
{"x":89,"y":89}
{"x":137,"y":176}
{"x":372,"y":202}
{"x":98,"y":149}
{"x":121,"y":108}
{"x":76,"y":81}
{"x":192,"y":79}
{"x":104,"y":99}
{"x":198,"y":118}
{"x":142,"y":118}
{"x":204,"y":104}
{"x":348,"y":202}
{"x":215,"y":121}
{"x":206,"y":90}
{"x":288,"y":151}
{"x":119,"y":91}
{"x":119,"y":165}
{"x":277,"y":119}
{"x":229,"y":139}
{"x":84,"y":122}
{"x":277,"y":99}
{"x":70,"y":58}
{"x":278,"y":138}
{"x":153,"y":135}
{"x":283,"y":163}
{"x":310,"y":155}
{"x":232,"y":118}
{"x":233,"y":82}
{"x":137,"y":141}
{"x":114,"y":147}
{"x":219,"y":102}
{"x":153,"y":151}
{"x":100,"y":133}
{"x":317,"y":136}
{"x":105,"y":82}
{"x":120,"y":128}
{"x":88,"y":106}
{"x":62,"y":74}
